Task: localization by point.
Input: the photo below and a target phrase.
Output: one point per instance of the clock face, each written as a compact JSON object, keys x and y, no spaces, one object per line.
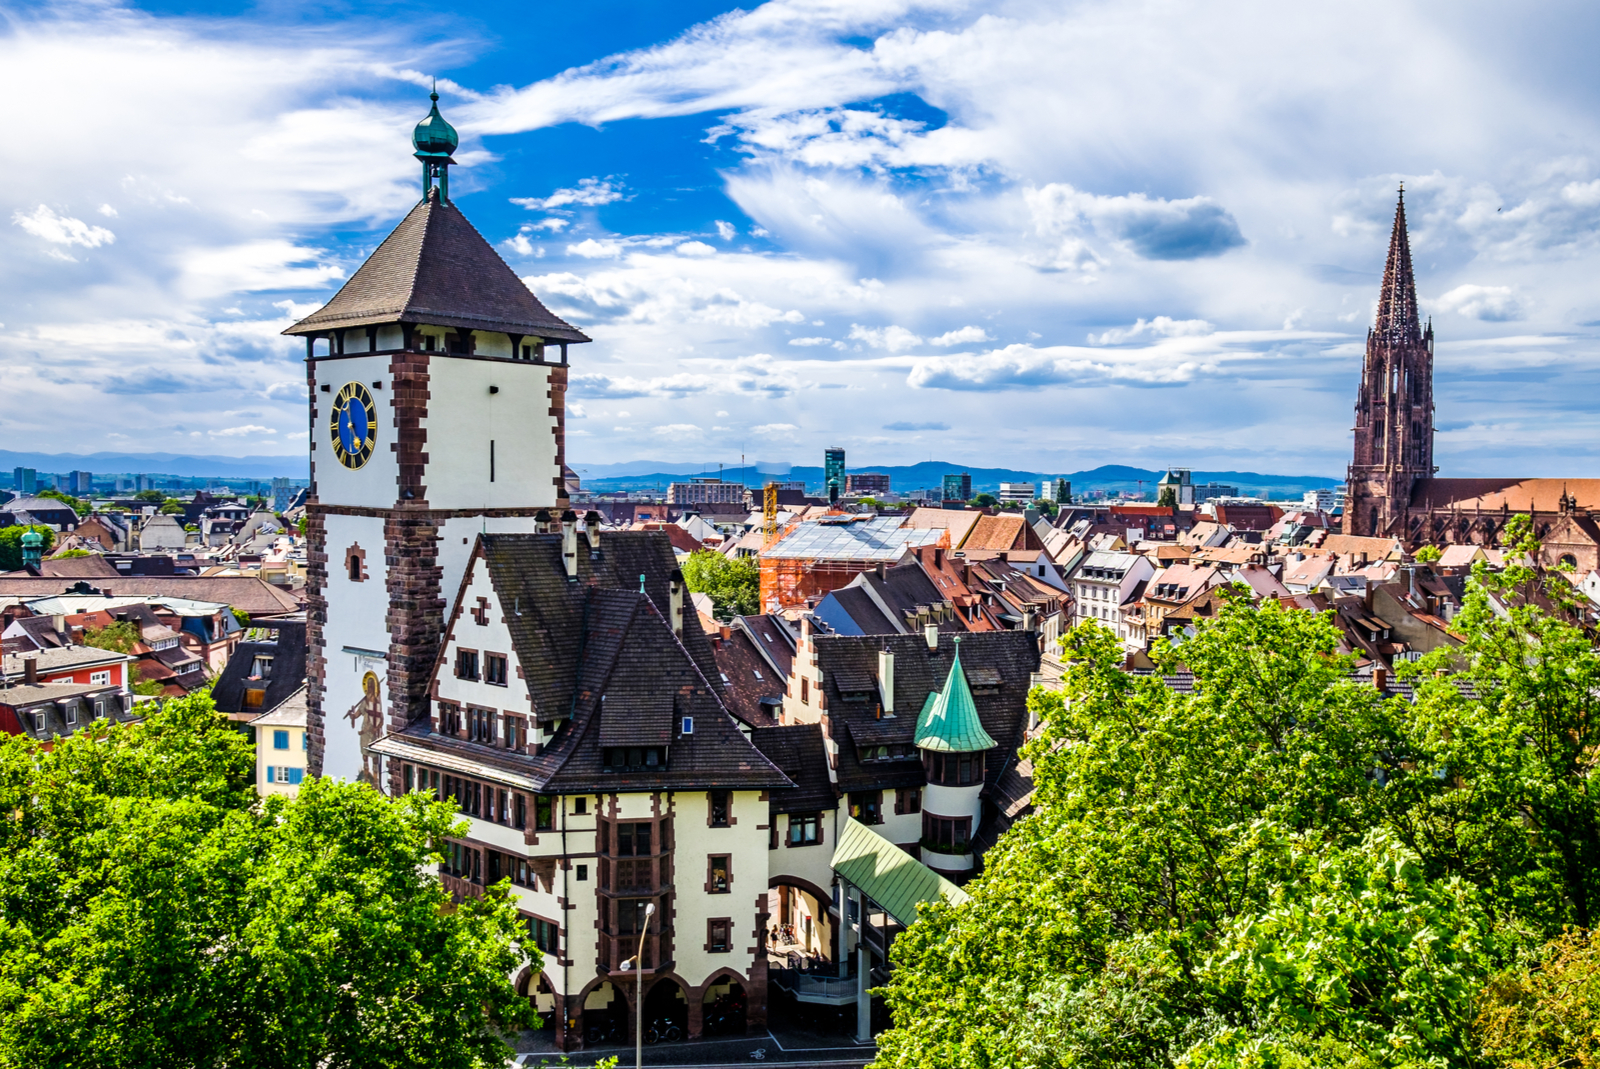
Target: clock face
{"x":353,"y":425}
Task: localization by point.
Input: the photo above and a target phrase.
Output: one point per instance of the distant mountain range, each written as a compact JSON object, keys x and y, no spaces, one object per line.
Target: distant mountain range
{"x":286,"y":467}
{"x":1112,"y":478}
{"x":651,"y":474}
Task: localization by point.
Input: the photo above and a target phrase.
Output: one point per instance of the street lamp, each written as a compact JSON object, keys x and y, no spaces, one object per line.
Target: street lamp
{"x":634,"y":963}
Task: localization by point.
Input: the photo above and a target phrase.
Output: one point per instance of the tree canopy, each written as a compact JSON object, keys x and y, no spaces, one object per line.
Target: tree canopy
{"x":11,"y":544}
{"x":732,"y":583}
{"x":1281,"y":867}
{"x":153,"y":911}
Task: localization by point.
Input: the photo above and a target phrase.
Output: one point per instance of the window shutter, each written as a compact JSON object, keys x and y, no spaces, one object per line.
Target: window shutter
{"x":296,"y":775}
{"x":270,"y":771}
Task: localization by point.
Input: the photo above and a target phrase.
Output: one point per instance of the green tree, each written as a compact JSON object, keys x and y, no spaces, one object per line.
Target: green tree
{"x":154,"y":497}
{"x":11,"y":544}
{"x":1280,"y":867}
{"x":985,"y":501}
{"x":1168,"y":498}
{"x":1546,"y":1012}
{"x":68,"y":554}
{"x":153,"y":913}
{"x":733,"y":583}
{"x":171,"y":507}
{"x":1428,"y":554}
{"x":120,"y":637}
{"x":76,"y":505}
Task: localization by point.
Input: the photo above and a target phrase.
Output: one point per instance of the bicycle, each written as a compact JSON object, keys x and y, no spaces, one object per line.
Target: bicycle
{"x":663,"y":1030}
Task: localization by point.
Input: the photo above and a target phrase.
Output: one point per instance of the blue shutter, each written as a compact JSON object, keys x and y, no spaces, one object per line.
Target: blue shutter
{"x":270,"y":771}
{"x":296,"y":775}
{"x":280,"y":740}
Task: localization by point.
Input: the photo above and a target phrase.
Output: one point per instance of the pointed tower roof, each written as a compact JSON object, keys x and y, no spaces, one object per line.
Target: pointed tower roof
{"x":1397,"y":304}
{"x":436,"y":268}
{"x":949,"y":720}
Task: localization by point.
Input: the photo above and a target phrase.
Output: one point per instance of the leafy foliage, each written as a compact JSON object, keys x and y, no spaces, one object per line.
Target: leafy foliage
{"x":1548,"y":1012}
{"x":1429,"y":554}
{"x":77,"y":505}
{"x":119,"y":637}
{"x":153,"y":913}
{"x":1282,"y":868}
{"x":733,"y":583}
{"x":11,"y":544}
{"x":985,"y":501}
{"x":171,"y":507}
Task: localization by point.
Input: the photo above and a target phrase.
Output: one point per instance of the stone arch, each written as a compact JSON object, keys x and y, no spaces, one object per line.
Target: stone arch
{"x":809,"y":943}
{"x":724,"y":1014}
{"x":667,"y":995}
{"x":581,"y":1022}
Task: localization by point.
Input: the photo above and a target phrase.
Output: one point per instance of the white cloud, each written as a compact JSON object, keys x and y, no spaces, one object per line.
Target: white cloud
{"x":62,"y":229}
{"x":588,"y":193}
{"x":1160,"y":327}
{"x":726,"y":231}
{"x":808,"y":342}
{"x":962,"y":336}
{"x":775,"y":430}
{"x":1495,"y":304}
{"x":696,"y":248}
{"x":891,"y":338}
{"x":242,"y":431}
{"x":678,"y":432}
{"x":576,"y":410}
{"x":590,"y":249}
{"x":108,"y":211}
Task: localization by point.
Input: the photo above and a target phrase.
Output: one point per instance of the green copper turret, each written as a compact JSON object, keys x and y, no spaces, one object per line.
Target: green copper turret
{"x":435,"y":140}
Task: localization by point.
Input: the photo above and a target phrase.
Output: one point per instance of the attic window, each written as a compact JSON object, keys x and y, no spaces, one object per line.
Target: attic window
{"x":688,"y":725}
{"x":756,"y":672}
{"x":635,"y":758}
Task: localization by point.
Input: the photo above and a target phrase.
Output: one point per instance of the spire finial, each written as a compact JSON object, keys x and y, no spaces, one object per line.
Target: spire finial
{"x":1402,"y":188}
{"x":433,"y":95}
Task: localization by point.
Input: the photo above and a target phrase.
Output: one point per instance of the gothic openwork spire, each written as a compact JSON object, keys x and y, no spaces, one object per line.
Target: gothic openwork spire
{"x":1397,"y":304}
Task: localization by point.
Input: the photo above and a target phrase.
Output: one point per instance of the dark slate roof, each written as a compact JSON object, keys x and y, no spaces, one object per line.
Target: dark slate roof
{"x":285,"y":643}
{"x":798,"y":751}
{"x":599,"y":653}
{"x":558,"y":619}
{"x":749,"y":677}
{"x":858,"y":608}
{"x":1012,"y":656}
{"x":436,"y":268}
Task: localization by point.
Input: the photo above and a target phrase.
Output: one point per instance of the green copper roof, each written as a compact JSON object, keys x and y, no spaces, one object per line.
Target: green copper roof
{"x":890,"y":876}
{"x":949,"y":721}
{"x":434,"y":136}
{"x":32,"y":538}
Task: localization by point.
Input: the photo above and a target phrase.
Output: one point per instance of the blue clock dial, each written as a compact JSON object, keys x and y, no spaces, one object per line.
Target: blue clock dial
{"x":354,"y":425}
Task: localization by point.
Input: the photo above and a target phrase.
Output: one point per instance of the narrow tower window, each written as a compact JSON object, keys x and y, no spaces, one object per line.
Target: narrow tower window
{"x":491,"y":460}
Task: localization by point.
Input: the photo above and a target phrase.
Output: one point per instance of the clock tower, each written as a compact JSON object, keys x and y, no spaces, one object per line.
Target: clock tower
{"x":437,"y":386}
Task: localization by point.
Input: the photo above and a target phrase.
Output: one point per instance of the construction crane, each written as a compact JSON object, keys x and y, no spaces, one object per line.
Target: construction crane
{"x":769,"y":513}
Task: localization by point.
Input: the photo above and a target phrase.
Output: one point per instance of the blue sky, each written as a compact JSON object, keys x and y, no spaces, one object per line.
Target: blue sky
{"x":1046,"y":235}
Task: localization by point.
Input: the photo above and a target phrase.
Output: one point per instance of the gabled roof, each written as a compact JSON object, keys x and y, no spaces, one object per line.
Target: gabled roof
{"x":1006,"y":531}
{"x":799,"y":753}
{"x":436,"y":268}
{"x":949,"y":722}
{"x":890,"y":876}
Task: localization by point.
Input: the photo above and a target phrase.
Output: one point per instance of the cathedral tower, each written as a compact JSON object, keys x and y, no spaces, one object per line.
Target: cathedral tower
{"x":437,"y":386}
{"x":1394,"y":410}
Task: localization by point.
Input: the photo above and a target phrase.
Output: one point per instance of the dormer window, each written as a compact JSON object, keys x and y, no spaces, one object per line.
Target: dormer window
{"x":635,"y":758}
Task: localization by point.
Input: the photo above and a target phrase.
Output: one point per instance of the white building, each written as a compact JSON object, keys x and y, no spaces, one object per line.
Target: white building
{"x":1016,"y":493}
{"x":1104,"y":583}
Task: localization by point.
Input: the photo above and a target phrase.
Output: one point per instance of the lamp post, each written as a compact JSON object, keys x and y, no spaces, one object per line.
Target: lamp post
{"x":638,"y":992}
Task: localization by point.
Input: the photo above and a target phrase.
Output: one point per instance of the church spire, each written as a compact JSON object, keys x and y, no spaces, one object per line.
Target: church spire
{"x":1397,"y":304}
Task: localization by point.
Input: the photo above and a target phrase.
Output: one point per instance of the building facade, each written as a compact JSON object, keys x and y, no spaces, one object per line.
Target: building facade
{"x":866,"y":483}
{"x":957,"y":487}
{"x":1016,"y":493}
{"x":437,"y":386}
{"x":706,"y":492}
{"x":833,"y":476}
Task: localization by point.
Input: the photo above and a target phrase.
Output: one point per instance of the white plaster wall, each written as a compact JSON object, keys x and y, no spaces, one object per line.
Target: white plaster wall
{"x":356,"y":618}
{"x":900,"y":828}
{"x":493,"y":637}
{"x":745,"y":842}
{"x":949,"y":802}
{"x":464,"y":417}
{"x":375,"y":484}
{"x":456,"y":537}
{"x":813,"y":863}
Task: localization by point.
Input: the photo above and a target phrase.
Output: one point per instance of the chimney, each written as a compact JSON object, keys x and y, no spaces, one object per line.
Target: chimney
{"x":931,"y":634}
{"x":541,"y":522}
{"x":880,"y":569}
{"x":591,"y":528}
{"x":726,"y":632}
{"x":938,"y":557}
{"x":1380,"y":678}
{"x":1027,"y":620}
{"x":675,"y":602}
{"x":886,"y":680}
{"x":30,"y":671}
{"x":569,"y":542}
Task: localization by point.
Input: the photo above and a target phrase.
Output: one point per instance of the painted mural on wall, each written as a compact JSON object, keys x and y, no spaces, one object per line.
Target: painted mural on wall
{"x":366,"y":716}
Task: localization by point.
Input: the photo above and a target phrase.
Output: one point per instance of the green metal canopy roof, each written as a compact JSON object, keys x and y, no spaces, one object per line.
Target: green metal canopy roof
{"x":890,"y":876}
{"x":949,"y":720}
